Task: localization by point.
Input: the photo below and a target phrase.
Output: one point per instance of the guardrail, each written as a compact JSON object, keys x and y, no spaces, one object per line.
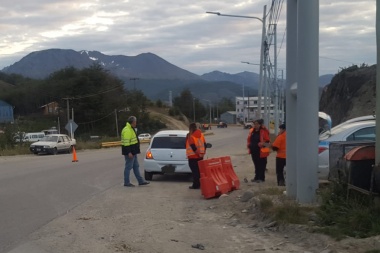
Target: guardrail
{"x":117,"y":143}
{"x":111,"y":144}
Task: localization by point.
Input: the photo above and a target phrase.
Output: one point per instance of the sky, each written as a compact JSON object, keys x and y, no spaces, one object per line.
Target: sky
{"x":182,"y":33}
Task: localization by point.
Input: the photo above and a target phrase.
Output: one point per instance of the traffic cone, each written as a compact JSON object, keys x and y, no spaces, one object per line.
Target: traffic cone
{"x":75,"y":159}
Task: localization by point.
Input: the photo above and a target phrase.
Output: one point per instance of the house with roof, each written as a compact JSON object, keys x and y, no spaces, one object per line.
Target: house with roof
{"x":50,"y":108}
{"x":6,"y":112}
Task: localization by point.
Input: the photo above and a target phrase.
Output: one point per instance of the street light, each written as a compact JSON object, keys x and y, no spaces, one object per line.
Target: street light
{"x":259,"y":97}
{"x":263,"y":21}
{"x":134,"y":81}
{"x":194,"y":108}
{"x":210,"y":108}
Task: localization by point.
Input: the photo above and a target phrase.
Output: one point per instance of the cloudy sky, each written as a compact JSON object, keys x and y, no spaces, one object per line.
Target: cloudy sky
{"x":181,"y":32}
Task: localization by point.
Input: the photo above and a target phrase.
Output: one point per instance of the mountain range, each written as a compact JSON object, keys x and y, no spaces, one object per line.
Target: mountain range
{"x":147,"y":72}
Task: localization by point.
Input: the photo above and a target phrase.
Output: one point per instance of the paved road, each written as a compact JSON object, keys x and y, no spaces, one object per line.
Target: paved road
{"x":35,"y":190}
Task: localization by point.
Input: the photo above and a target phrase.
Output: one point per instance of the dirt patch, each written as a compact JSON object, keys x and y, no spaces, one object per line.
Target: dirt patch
{"x":167,"y":217}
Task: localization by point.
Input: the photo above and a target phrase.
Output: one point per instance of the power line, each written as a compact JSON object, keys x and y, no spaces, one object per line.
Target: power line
{"x":96,"y":119}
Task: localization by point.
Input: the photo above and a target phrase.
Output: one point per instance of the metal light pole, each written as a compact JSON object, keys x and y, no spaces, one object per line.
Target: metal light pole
{"x":210,"y":108}
{"x":194,"y":109}
{"x":134,"y":81}
{"x":258,"y":97}
{"x":263,"y":35}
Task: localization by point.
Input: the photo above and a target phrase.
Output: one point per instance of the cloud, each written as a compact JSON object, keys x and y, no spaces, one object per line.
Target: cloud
{"x":181,"y":32}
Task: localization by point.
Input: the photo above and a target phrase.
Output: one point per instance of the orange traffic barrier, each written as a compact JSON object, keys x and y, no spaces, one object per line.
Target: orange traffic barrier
{"x":213,"y":181}
{"x":229,"y":172}
{"x":75,"y":159}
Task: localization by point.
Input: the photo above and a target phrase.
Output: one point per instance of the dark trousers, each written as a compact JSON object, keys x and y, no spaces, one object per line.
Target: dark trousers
{"x":280,"y":165}
{"x":193,"y":164}
{"x":260,"y":166}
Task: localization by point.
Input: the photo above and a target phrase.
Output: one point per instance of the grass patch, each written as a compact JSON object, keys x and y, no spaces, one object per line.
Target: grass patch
{"x":340,"y":217}
{"x":20,"y":149}
{"x":23,"y":148}
{"x":271,"y":191}
{"x":282,"y":209}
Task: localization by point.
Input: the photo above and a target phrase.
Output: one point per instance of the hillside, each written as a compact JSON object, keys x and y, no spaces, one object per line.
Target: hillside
{"x":170,"y":122}
{"x":351,"y":93}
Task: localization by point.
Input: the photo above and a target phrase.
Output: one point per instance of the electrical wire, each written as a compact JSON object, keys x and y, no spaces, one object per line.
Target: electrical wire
{"x":93,"y":121}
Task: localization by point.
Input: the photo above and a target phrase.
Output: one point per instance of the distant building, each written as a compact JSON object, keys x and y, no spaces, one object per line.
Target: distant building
{"x":6,"y":112}
{"x":50,"y":108}
{"x":228,"y":117}
{"x":247,"y":109}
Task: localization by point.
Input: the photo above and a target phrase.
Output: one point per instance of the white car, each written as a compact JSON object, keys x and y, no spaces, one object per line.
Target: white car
{"x":53,"y":144}
{"x":144,"y":137}
{"x":357,"y":129}
{"x":166,"y":154}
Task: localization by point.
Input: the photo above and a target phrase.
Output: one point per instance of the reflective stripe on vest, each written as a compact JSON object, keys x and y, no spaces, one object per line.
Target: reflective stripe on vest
{"x":129,"y":142}
{"x":199,"y":144}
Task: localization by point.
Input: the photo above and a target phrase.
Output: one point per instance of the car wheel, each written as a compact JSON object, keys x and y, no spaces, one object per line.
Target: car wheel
{"x":148,"y":175}
{"x":36,"y":153}
{"x":55,"y":151}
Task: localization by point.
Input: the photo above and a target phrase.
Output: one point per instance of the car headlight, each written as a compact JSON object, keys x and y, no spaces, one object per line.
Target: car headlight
{"x":46,"y":146}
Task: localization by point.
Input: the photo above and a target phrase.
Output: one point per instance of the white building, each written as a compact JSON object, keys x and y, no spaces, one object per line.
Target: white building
{"x":247,"y":109}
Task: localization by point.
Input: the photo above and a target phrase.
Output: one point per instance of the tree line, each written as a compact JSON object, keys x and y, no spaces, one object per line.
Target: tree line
{"x":97,"y":100}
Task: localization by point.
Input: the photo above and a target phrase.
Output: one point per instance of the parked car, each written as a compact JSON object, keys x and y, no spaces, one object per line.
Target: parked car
{"x":144,"y":137}
{"x":222,"y":125}
{"x":357,"y":129}
{"x":206,"y":126}
{"x":53,"y":144}
{"x":248,"y":125}
{"x":166,"y":154}
{"x":52,"y":130}
{"x":32,"y":137}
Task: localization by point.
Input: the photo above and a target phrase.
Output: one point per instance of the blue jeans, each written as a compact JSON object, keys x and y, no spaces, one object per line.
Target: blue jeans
{"x":132,"y":163}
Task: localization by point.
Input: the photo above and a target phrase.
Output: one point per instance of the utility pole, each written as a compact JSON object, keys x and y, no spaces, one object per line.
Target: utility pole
{"x":134,"y":81}
{"x":275,"y":82}
{"x":194,"y":109}
{"x":117,"y":127}
{"x":67,"y":108}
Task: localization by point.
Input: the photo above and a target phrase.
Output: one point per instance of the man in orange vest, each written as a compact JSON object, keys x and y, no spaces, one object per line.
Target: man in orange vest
{"x":195,"y":151}
{"x":279,"y":145}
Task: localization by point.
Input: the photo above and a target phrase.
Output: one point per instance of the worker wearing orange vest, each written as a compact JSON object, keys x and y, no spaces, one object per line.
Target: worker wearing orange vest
{"x":257,"y":142}
{"x":279,"y":145}
{"x":195,"y":151}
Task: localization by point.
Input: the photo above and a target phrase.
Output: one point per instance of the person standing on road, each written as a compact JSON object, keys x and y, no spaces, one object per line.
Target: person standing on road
{"x":257,"y":142}
{"x":279,"y":145}
{"x":195,"y":151}
{"x":130,"y":147}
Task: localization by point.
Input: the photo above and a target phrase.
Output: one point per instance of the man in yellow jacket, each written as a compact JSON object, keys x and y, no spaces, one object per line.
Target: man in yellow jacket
{"x":130,"y":147}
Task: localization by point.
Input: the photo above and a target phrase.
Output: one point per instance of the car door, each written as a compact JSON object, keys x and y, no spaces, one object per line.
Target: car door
{"x":61,"y":145}
{"x":66,"y":142}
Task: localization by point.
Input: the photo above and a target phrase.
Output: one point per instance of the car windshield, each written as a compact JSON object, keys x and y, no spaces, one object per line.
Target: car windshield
{"x":169,"y":142}
{"x":50,"y":138}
